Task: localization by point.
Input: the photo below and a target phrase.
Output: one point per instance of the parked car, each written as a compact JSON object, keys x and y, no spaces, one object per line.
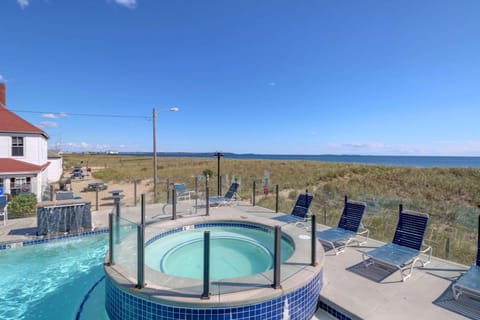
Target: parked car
{"x":95,"y":186}
{"x":77,"y":172}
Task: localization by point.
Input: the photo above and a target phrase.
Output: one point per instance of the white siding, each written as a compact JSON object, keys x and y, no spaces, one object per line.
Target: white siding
{"x":5,"y":146}
{"x":35,"y":150}
{"x":55,"y":169}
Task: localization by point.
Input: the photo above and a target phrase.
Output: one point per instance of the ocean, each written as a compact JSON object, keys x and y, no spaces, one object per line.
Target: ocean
{"x":405,"y":161}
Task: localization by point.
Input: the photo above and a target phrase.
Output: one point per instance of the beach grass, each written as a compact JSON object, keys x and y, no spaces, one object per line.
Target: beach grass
{"x":450,"y":195}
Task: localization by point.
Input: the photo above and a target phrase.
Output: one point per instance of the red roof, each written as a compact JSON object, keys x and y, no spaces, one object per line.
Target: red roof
{"x":10,"y":122}
{"x":8,"y":165}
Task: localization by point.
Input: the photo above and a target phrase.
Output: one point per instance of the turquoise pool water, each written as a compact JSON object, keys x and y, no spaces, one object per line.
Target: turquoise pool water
{"x":61,"y":280}
{"x":234,"y":252}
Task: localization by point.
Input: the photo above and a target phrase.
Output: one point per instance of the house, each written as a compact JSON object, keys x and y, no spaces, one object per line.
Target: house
{"x":24,"y":161}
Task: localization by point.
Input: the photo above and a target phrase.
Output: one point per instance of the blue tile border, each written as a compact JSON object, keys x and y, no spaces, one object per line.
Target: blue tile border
{"x":25,"y":243}
{"x":300,"y":304}
{"x":331,"y":310}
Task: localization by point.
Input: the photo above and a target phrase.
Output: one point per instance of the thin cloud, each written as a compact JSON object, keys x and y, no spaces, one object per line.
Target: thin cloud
{"x":272,"y":84}
{"x":23,"y":3}
{"x":48,"y":124}
{"x":131,"y":4}
{"x":49,"y":116}
{"x":63,"y":114}
{"x":2,"y":79}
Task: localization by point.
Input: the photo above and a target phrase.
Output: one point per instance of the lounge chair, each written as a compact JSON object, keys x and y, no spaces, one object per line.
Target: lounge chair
{"x":181,"y":191}
{"x":4,"y":208}
{"x":406,"y":247}
{"x":469,"y":282}
{"x":228,"y":198}
{"x":348,"y":226}
{"x":300,"y":212}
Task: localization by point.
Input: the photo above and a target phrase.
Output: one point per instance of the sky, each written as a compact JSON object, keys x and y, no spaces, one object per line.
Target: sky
{"x":368,"y":77}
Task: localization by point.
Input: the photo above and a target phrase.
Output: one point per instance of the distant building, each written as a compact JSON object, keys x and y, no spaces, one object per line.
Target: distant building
{"x":25,"y":165}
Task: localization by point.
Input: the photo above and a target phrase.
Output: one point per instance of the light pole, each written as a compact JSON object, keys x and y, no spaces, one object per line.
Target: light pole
{"x":154,"y":116}
{"x":219,"y":181}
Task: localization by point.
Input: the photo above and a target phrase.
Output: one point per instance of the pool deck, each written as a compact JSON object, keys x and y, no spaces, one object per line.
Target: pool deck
{"x":350,"y":288}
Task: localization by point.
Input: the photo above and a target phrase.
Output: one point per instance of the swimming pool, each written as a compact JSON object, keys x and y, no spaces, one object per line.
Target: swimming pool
{"x":235,"y":251}
{"x":54,"y":281}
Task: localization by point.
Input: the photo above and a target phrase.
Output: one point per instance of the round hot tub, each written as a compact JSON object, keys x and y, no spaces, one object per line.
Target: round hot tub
{"x":241,"y":273}
{"x":235,"y":251}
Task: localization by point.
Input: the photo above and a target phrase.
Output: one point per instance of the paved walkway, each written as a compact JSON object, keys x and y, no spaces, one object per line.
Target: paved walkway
{"x":349,"y":287}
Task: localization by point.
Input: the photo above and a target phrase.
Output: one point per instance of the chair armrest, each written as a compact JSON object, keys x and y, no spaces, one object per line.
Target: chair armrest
{"x":364,"y":232}
{"x":424,"y":251}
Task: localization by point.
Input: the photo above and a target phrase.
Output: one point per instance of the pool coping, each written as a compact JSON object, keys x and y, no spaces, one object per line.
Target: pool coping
{"x":45,"y":239}
{"x":176,"y":291}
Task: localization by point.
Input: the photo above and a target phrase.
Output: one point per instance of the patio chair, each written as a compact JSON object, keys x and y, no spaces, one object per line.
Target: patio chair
{"x":348,"y":228}
{"x":228,"y":198}
{"x":301,"y":210}
{"x":407,"y":244}
{"x":469,"y":282}
{"x":181,"y":191}
{"x":4,"y":208}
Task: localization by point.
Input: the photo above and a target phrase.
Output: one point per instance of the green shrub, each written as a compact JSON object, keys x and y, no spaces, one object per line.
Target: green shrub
{"x":23,"y":205}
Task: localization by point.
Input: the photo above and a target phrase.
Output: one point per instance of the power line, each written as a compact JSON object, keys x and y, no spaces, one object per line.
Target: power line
{"x":66,"y":114}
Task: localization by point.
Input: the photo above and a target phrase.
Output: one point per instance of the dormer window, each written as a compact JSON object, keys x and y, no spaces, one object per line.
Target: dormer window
{"x":17,"y":147}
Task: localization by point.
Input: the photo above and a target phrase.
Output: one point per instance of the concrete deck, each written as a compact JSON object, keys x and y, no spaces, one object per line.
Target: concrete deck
{"x":360,"y":293}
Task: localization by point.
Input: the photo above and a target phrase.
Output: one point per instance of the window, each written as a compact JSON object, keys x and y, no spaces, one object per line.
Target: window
{"x":17,"y":146}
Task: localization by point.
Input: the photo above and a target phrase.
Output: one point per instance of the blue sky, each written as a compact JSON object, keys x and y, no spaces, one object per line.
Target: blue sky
{"x":261,"y":76}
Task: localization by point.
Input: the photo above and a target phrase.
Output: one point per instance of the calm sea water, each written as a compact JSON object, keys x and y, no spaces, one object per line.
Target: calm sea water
{"x":406,"y":161}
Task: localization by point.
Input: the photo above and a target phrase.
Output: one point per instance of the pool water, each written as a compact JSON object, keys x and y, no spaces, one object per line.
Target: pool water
{"x":54,"y":281}
{"x":234,"y":252}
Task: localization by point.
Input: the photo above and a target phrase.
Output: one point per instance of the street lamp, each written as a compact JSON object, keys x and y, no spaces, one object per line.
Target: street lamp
{"x":219,"y":183}
{"x":174,"y":109}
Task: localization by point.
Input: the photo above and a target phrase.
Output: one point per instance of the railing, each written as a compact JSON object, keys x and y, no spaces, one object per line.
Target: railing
{"x":451,"y":232}
{"x":129,"y":240}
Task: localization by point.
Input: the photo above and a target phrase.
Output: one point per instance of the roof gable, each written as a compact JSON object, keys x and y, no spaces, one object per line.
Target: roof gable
{"x":10,"y":122}
{"x":8,"y":165}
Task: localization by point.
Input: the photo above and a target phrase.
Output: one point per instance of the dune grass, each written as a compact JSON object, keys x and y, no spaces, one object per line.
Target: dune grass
{"x":450,"y":195}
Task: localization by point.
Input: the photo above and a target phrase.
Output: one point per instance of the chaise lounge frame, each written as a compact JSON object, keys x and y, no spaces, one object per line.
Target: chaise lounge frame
{"x":469,"y":282}
{"x":346,"y":232}
{"x":407,"y":245}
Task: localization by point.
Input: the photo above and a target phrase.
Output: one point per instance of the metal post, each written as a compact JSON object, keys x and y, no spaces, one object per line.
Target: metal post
{"x":253,"y":195}
{"x":96,"y":199}
{"x":447,"y":248}
{"x":140,"y":257}
{"x":117,"y":206}
{"x":314,"y":240}
{"x":276,"y":198}
{"x":110,"y":239}
{"x":168,"y":190}
{"x":207,"y":201}
{"x":325,"y":216}
{"x":154,"y":116}
{"x":276,"y":265}
{"x":142,"y":208}
{"x":135,"y":192}
{"x":52,"y":192}
{"x":196,"y":194}
{"x":219,"y":183}
{"x":174,"y":205}
{"x":206,"y":266}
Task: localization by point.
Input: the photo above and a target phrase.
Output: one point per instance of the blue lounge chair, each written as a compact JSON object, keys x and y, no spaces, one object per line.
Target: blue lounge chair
{"x":181,"y":191}
{"x":348,"y":228}
{"x":406,"y":247}
{"x":300,"y":211}
{"x":228,"y":198}
{"x":4,"y":208}
{"x":469,"y":282}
